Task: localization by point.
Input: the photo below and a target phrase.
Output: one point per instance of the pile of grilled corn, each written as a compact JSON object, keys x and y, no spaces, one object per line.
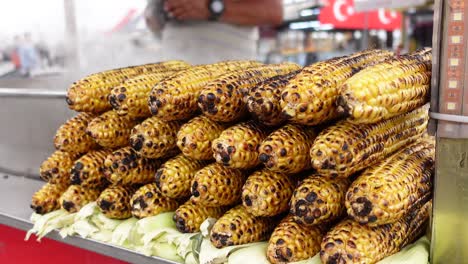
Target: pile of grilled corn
{"x":246,"y":158}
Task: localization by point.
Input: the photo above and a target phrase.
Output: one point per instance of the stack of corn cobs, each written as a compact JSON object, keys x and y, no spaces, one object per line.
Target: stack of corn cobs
{"x":331,"y":158}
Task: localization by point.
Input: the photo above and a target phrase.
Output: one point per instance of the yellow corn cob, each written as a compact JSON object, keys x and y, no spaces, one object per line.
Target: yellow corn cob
{"x":216,"y":185}
{"x":237,"y":146}
{"x":90,"y":93}
{"x":155,"y":138}
{"x":175,"y":98}
{"x":310,"y":96}
{"x":345,"y":148}
{"x":189,"y":216}
{"x":72,"y":137}
{"x":111,"y":130}
{"x":263,"y":101}
{"x":424,"y":54}
{"x":75,"y":197}
{"x":386,"y":89}
{"x":195,"y":137}
{"x":175,"y":176}
{"x":267,"y":193}
{"x":287,"y":149}
{"x":56,"y":168}
{"x":223,"y":98}
{"x":147,"y":201}
{"x":87,"y":170}
{"x":387,"y":191}
{"x":291,"y":242}
{"x":47,"y":198}
{"x":114,"y":202}
{"x":351,"y":242}
{"x":319,"y":200}
{"x":237,"y":227}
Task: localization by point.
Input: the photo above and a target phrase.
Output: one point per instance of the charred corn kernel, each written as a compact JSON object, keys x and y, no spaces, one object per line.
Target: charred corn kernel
{"x":387,"y":89}
{"x":110,"y":130}
{"x":87,"y":170}
{"x":216,"y":185}
{"x":189,"y":216}
{"x":131,"y":97}
{"x":237,"y":146}
{"x":263,"y":101}
{"x":175,"y":98}
{"x":75,"y":197}
{"x":72,"y":137}
{"x":319,"y":200}
{"x":125,"y":167}
{"x":56,"y":168}
{"x":147,"y":201}
{"x":175,"y":176}
{"x":114,"y":202}
{"x":267,"y":193}
{"x":291,"y":242}
{"x":90,"y":93}
{"x":345,"y":148}
{"x":195,"y":137}
{"x":310,"y":96}
{"x":237,"y":227}
{"x":351,"y":242}
{"x":223,"y":98}
{"x":287,"y":149}
{"x":47,"y":198}
{"x":155,"y":138}
{"x":424,"y":54}
{"x":387,"y":191}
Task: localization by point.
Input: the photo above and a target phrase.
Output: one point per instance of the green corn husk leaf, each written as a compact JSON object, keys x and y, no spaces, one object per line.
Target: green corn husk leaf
{"x":244,"y":255}
{"x":123,"y":231}
{"x":43,"y":224}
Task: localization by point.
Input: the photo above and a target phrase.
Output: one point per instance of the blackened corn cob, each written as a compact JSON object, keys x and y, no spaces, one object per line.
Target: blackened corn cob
{"x":237,"y":146}
{"x":147,"y":201}
{"x":90,"y":93}
{"x":47,"y":198}
{"x":388,"y":190}
{"x":175,"y":98}
{"x":223,"y":98}
{"x":287,"y":149}
{"x":237,"y":227}
{"x":267,"y":193}
{"x":76,"y":196}
{"x":345,"y":148}
{"x":189,"y":216}
{"x":175,"y":176}
{"x":155,"y":138}
{"x":216,"y":185}
{"x":87,"y":171}
{"x":114,"y":202}
{"x":351,"y":242}
{"x":195,"y":137}
{"x":291,"y":242}
{"x":72,"y":137}
{"x":56,"y":168}
{"x":319,"y":200}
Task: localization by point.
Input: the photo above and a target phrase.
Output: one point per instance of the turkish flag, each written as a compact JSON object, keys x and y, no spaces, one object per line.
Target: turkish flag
{"x":341,"y":14}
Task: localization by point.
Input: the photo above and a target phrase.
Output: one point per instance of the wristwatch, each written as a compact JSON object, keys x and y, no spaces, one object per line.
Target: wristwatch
{"x":216,"y":8}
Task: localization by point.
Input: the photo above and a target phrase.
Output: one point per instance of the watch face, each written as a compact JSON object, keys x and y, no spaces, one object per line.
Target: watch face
{"x":217,"y":6}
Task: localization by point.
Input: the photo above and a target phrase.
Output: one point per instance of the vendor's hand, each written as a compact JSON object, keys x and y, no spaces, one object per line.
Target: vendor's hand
{"x":187,"y":9}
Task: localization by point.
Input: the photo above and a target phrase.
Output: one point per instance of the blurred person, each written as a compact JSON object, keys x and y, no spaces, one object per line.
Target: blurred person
{"x":28,"y":55}
{"x":206,"y":31}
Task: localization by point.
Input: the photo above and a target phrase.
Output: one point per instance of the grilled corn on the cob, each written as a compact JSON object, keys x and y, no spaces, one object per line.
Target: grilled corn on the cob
{"x":216,"y":185}
{"x":76,"y":196}
{"x":155,"y":138}
{"x":387,"y":191}
{"x":111,"y":130}
{"x":287,"y":149}
{"x":114,"y":202}
{"x":237,"y":146}
{"x":175,"y":98}
{"x":87,"y":171}
{"x":56,"y":168}
{"x":345,"y":148}
{"x":47,"y":198}
{"x":189,"y":216}
{"x":72,"y":137}
{"x":175,"y":176}
{"x":195,"y":137}
{"x":147,"y":201}
{"x":223,"y":98}
{"x":310,"y":96}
